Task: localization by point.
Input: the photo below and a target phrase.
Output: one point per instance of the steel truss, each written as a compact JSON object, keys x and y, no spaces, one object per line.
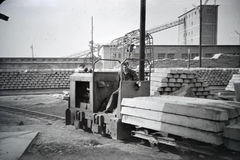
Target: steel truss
{"x":120,"y":45}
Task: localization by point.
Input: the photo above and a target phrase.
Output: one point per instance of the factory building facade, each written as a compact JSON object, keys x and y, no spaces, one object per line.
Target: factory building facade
{"x":188,"y":32}
{"x":171,"y":51}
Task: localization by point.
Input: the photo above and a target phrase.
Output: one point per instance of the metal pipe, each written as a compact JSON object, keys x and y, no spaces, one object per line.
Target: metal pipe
{"x":142,"y":39}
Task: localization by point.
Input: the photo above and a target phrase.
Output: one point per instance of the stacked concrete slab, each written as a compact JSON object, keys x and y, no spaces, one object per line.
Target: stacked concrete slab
{"x":221,"y":61}
{"x":166,"y":81}
{"x":235,"y":79}
{"x":231,"y":135}
{"x":192,"y":118}
{"x":216,"y":76}
{"x":35,"y":79}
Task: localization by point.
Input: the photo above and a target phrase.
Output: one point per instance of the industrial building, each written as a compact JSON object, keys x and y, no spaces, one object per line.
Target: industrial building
{"x":172,"y":51}
{"x":188,"y":39}
{"x":188,"y":32}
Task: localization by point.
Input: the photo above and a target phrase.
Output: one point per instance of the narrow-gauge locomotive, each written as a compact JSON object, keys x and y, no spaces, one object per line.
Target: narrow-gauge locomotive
{"x":88,"y":92}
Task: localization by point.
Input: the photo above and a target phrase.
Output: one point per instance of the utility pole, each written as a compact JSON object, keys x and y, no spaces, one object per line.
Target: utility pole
{"x":32,"y":51}
{"x":142,"y":39}
{"x":239,"y":45}
{"x":200,"y":34}
{"x":92,"y":40}
{"x":238,"y":35}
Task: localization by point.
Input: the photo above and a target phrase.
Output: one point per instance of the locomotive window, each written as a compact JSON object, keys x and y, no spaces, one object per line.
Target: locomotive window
{"x":82,"y":93}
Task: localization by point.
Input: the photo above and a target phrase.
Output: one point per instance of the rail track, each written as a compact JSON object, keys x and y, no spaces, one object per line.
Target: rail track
{"x":31,"y":113}
{"x":51,"y":117}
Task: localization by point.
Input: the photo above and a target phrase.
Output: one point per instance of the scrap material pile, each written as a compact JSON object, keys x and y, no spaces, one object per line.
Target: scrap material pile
{"x":204,"y":120}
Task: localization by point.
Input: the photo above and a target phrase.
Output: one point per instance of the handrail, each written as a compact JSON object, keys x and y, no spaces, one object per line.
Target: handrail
{"x":104,"y":60}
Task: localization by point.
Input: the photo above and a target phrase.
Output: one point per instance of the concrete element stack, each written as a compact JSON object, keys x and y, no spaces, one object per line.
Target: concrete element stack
{"x":35,"y":79}
{"x":193,"y":118}
{"x":167,"y":81}
{"x":216,"y":76}
{"x":235,"y":79}
{"x":231,"y":136}
{"x":223,"y":61}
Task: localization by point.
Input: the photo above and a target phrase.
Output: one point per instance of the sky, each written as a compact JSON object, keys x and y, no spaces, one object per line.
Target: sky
{"x":58,"y":28}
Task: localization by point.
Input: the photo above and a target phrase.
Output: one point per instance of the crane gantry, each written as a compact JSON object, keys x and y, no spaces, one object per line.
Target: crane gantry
{"x":133,"y":38}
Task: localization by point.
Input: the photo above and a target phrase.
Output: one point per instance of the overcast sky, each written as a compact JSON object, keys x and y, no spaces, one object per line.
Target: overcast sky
{"x":58,"y":28}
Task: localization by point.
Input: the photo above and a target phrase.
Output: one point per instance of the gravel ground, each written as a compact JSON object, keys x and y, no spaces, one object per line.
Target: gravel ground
{"x":57,"y":141}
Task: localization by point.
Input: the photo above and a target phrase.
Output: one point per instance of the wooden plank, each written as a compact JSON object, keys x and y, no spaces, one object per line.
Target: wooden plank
{"x":197,"y":123}
{"x":176,"y":108}
{"x":208,"y":137}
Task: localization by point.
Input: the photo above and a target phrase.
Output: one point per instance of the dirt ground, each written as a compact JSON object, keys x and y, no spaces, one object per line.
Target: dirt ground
{"x":57,"y":141}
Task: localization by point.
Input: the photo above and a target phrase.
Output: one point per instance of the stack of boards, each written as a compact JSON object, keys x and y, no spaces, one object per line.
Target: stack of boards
{"x":199,"y":119}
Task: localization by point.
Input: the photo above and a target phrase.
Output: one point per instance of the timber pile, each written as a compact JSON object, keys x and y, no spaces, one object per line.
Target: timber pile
{"x":167,"y":81}
{"x":235,"y":79}
{"x":193,"y":118}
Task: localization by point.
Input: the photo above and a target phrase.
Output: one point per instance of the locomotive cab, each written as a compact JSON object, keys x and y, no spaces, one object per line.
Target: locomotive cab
{"x":88,"y":94}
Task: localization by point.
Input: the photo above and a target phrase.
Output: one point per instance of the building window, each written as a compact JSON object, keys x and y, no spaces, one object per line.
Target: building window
{"x":192,"y":23}
{"x":119,"y":55}
{"x":184,"y":56}
{"x":208,"y":55}
{"x":170,"y":55}
{"x":209,"y":10}
{"x":161,"y":56}
{"x":194,"y":55}
{"x":114,"y":56}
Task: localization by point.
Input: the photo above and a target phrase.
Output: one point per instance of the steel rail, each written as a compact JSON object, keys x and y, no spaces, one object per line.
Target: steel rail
{"x":16,"y":110}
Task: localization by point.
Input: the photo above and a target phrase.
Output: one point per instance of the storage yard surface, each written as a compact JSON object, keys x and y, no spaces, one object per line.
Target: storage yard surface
{"x":43,"y":91}
{"x":58,"y":141}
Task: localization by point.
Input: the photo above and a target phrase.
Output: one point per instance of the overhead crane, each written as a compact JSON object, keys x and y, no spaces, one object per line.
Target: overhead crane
{"x":133,"y":38}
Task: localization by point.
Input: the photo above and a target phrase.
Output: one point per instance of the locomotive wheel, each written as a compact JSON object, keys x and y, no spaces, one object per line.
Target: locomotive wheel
{"x":103,"y":133}
{"x":161,"y":147}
